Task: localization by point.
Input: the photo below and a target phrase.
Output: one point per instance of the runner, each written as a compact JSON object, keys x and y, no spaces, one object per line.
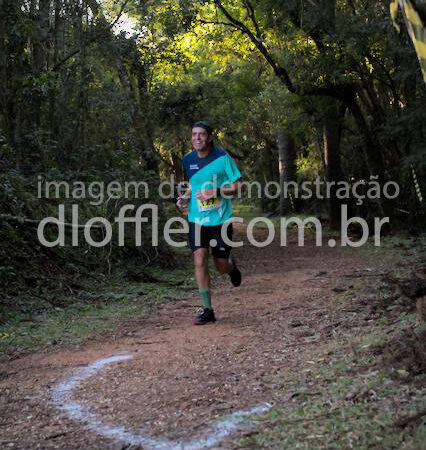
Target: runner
{"x":210,"y":172}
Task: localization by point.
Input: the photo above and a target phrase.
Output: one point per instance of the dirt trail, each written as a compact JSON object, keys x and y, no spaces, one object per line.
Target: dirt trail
{"x":182,"y":378}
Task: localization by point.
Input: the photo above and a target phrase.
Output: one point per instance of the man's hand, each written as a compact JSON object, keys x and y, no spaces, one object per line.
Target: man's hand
{"x":183,"y":200}
{"x":206,"y":194}
{"x":182,"y":203}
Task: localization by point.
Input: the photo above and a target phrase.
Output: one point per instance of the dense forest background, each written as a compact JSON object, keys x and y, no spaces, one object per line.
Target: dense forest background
{"x":107,"y":91}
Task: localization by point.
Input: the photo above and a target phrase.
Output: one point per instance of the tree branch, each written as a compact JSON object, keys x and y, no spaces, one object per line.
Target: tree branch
{"x":250,"y":10}
{"x":313,"y":33}
{"x":207,"y":22}
{"x":22,"y":220}
{"x":279,"y":70}
{"x":338,"y":91}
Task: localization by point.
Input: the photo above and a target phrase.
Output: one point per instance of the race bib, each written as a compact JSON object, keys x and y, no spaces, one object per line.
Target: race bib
{"x":211,"y":203}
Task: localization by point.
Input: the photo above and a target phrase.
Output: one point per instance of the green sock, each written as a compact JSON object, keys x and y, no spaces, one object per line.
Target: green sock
{"x":206,"y":298}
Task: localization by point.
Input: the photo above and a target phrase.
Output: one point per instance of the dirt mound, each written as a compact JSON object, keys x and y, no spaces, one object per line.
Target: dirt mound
{"x":407,"y":351}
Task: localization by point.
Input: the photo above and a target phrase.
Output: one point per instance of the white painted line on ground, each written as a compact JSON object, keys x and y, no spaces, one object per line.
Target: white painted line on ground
{"x":62,"y":399}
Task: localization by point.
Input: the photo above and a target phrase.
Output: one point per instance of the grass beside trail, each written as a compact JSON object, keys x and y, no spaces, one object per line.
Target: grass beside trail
{"x":347,"y":400}
{"x":365,"y":388}
{"x":49,"y":320}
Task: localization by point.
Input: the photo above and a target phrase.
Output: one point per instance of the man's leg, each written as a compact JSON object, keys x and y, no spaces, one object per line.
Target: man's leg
{"x":202,"y":268}
{"x":203,"y":281}
{"x":222,"y":254}
{"x":227,"y":265}
{"x":223,"y":265}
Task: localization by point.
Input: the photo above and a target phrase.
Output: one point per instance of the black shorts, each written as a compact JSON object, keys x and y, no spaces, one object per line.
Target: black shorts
{"x":207,"y":233}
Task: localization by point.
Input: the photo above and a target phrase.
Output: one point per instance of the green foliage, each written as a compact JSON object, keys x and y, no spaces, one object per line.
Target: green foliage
{"x":98,"y":105}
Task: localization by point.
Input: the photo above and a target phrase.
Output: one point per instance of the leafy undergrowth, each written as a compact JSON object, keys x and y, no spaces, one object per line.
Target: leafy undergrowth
{"x":95,"y":307}
{"x":366,"y":387}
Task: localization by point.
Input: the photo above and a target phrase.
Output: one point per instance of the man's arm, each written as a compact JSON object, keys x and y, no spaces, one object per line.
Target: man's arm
{"x":232,"y":189}
{"x":225,"y":191}
{"x":183,"y":200}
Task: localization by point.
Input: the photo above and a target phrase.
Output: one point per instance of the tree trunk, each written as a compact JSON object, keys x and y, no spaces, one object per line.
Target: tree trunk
{"x":41,"y":39}
{"x":287,"y":169}
{"x":82,"y":97}
{"x":334,"y":112}
{"x":265,"y":170}
{"x":4,"y":121}
{"x":372,"y":151}
{"x":40,"y":57}
{"x":143,"y":117}
{"x":53,"y":123}
{"x":11,"y":69}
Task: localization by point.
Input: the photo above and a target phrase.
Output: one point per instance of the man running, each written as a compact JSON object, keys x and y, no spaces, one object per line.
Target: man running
{"x":209,"y":209}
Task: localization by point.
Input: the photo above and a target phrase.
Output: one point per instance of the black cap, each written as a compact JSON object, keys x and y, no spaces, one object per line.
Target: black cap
{"x":203,"y":124}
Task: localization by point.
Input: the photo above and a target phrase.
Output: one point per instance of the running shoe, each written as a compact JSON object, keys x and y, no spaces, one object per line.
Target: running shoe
{"x":235,"y":274}
{"x":204,"y":316}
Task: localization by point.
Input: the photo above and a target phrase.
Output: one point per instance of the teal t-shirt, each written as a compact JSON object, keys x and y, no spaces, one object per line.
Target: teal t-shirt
{"x":216,"y":170}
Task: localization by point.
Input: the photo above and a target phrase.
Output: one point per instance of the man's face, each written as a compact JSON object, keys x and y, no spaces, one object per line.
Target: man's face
{"x":200,"y":138}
